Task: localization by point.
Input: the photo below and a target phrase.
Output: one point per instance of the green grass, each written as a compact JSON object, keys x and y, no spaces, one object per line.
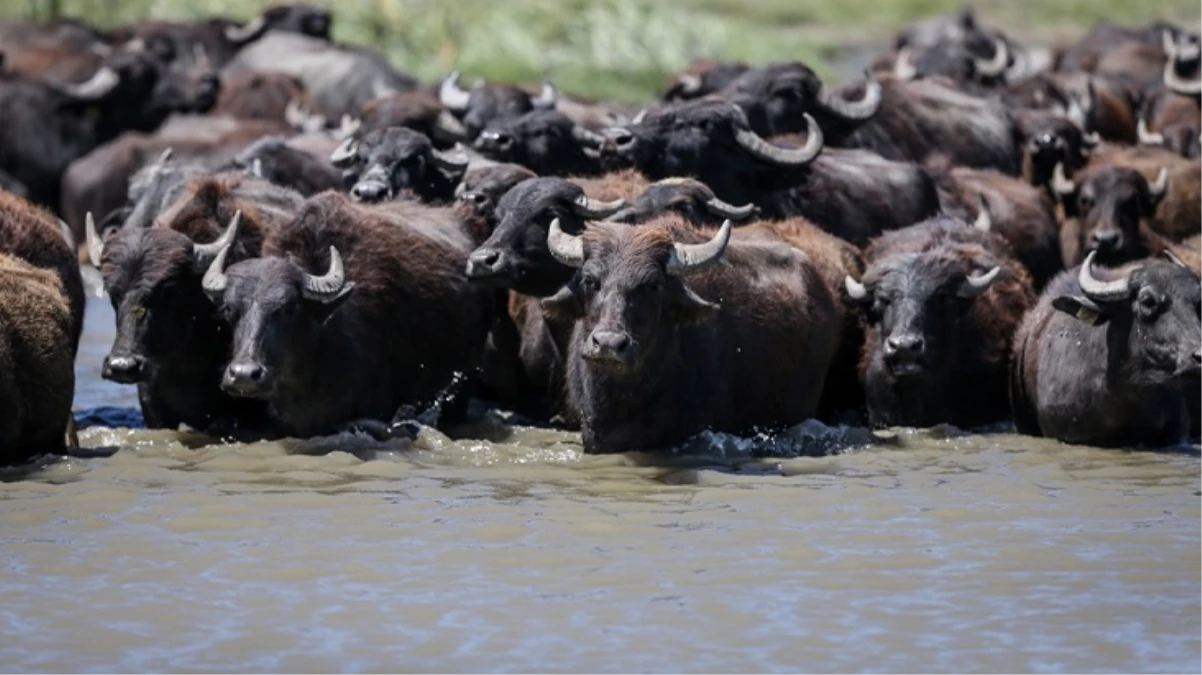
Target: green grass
{"x":624,"y":49}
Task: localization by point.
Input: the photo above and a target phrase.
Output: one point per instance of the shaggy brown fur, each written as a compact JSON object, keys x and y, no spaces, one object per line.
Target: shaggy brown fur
{"x":37,"y":357}
{"x":625,"y":184}
{"x":259,"y":96}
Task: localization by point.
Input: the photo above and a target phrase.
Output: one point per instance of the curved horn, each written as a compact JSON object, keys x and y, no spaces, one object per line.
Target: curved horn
{"x":1091,"y":140}
{"x":452,"y":160}
{"x":753,"y":143}
{"x":214,"y":281}
{"x":1146,"y":137}
{"x":247,"y":32}
{"x":1172,"y":257}
{"x":344,"y":153}
{"x":639,"y":117}
{"x":996,"y":65}
{"x":1098,"y":290}
{"x":328,"y":286}
{"x":586,"y":137}
{"x":256,"y":168}
{"x":1061,"y":185}
{"x":547,"y":98}
{"x":65,"y":231}
{"x":976,"y":284}
{"x":1177,"y":84}
{"x":689,"y":83}
{"x":450,"y":125}
{"x":984,"y":221}
{"x":686,"y":259}
{"x":855,"y":289}
{"x":165,"y":157}
{"x":1168,"y":44}
{"x":591,"y":209}
{"x":566,"y":248}
{"x":451,"y":95}
{"x":1156,"y":188}
{"x":203,"y":254}
{"x":903,"y":65}
{"x":863,"y":109}
{"x":348,"y":126}
{"x":98,"y":86}
{"x":95,"y":243}
{"x":729,"y":211}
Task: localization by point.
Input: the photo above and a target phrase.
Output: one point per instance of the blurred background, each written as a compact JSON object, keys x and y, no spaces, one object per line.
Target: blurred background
{"x":624,"y":49}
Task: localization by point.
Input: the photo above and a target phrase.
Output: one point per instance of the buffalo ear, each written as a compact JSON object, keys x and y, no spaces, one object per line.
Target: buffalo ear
{"x":1081,"y":309}
{"x":688,"y":307}
{"x":563,"y":307}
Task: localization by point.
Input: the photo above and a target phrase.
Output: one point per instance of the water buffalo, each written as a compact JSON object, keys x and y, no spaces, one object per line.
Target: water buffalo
{"x":259,"y":96}
{"x":170,"y":341}
{"x":702,"y":78}
{"x":43,"y":127}
{"x":1170,"y":120}
{"x":653,"y":359}
{"x":1022,"y":214}
{"x":417,"y":110}
{"x":1051,"y":140}
{"x":41,"y":319}
{"x":544,"y":141}
{"x":339,"y":79}
{"x":1111,"y":361}
{"x":486,"y":103}
{"x":384,"y":162}
{"x":274,"y":159}
{"x":776,"y":96}
{"x":371,"y":333}
{"x":942,"y":301}
{"x":482,"y":187}
{"x":1109,"y":209}
{"x":853,"y":194}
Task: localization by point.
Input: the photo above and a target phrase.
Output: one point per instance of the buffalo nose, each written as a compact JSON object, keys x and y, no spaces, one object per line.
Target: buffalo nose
{"x":483,"y":261}
{"x":621,"y":138}
{"x":911,"y":345}
{"x":122,"y":368}
{"x":369,"y":191}
{"x":610,"y":341}
{"x":1106,"y":240}
{"x":246,"y":372}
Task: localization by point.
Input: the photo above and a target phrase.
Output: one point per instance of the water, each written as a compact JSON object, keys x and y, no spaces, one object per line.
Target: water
{"x":925,"y":551}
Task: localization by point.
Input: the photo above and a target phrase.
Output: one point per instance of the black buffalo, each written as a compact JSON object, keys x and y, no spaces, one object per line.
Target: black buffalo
{"x":385,"y":162}
{"x":486,"y":103}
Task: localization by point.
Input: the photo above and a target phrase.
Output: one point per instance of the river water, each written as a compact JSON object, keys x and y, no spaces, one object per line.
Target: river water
{"x":910,"y":551}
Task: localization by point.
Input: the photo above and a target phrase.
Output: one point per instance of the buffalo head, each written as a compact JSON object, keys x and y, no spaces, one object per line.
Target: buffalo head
{"x":1109,"y":204}
{"x":385,"y":161}
{"x":690,"y":199}
{"x":544,"y":141}
{"x":486,"y":103}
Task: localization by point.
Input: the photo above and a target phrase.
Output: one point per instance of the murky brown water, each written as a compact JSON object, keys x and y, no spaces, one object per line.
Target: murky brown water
{"x":986,"y":553}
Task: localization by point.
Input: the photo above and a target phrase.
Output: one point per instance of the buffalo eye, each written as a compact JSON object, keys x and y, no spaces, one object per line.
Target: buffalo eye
{"x":1148,"y":303}
{"x":1085,"y":202}
{"x":589,"y":284}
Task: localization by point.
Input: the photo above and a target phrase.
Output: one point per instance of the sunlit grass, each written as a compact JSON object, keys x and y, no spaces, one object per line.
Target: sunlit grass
{"x":622,"y":49}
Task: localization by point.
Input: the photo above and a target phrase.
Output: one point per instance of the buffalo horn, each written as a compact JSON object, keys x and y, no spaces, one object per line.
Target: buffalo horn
{"x":903,"y":65}
{"x":547,"y":98}
{"x":725,"y":210}
{"x":592,"y":209}
{"x":639,"y":117}
{"x":566,"y":248}
{"x":328,"y":286}
{"x":250,"y":31}
{"x":95,"y":243}
{"x":984,"y":221}
{"x":1060,"y":185}
{"x":98,"y":86}
{"x":863,"y":109}
{"x":1157,"y":187}
{"x":215,"y":281}
{"x":343,"y":153}
{"x":689,"y":83}
{"x":453,"y":160}
{"x":1147,"y":137}
{"x":1175,"y":83}
{"x":1098,"y":290}
{"x":753,"y":143}
{"x":976,"y":284}
{"x":450,"y":125}
{"x":451,"y":95}
{"x":686,"y":259}
{"x":997,"y":65}
{"x":854,"y":288}
{"x":203,"y":254}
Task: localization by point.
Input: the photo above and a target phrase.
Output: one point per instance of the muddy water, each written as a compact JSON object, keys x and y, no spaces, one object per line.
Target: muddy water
{"x":921,"y":551}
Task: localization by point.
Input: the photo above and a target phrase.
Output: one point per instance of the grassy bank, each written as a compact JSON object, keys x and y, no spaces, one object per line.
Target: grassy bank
{"x":623,"y":49}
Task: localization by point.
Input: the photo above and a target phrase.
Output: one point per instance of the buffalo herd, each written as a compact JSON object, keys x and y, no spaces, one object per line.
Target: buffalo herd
{"x":298,"y":239}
